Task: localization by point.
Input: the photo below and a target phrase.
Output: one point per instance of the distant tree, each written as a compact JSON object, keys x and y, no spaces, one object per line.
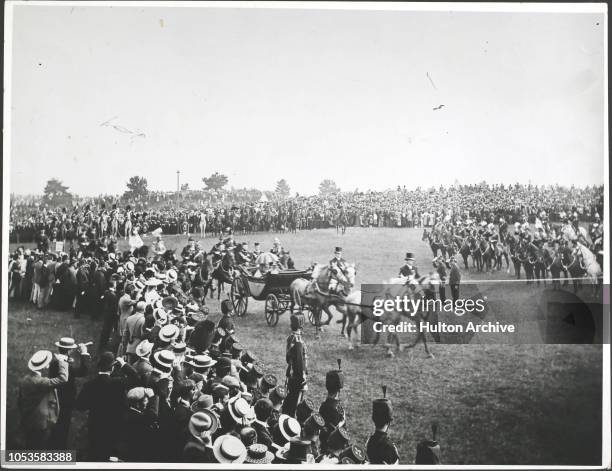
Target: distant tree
{"x":137,"y":187}
{"x":328,"y":187}
{"x":56,"y":193}
{"x":215,"y":182}
{"x":282,"y":189}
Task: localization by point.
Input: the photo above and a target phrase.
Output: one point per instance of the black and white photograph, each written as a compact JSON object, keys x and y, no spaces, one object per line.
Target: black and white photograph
{"x":294,"y":234}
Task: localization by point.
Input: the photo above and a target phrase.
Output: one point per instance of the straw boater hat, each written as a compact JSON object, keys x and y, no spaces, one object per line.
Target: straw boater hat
{"x":172,"y":275}
{"x":201,"y":362}
{"x":229,"y":449}
{"x":240,"y":410}
{"x":203,"y":421}
{"x":168,"y":333}
{"x":163,"y":360}
{"x":144,"y":348}
{"x":40,"y":360}
{"x":66,"y":342}
{"x":288,"y":427}
{"x":152,"y":282}
{"x":258,"y":454}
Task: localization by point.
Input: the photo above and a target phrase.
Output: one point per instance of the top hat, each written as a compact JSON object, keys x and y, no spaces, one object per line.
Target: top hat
{"x":409,"y":257}
{"x":338,"y":249}
{"x":334,"y":379}
{"x":296,"y":451}
{"x":381,"y":408}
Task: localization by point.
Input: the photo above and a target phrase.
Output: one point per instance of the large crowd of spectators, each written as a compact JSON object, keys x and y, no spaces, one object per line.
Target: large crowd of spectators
{"x":394,"y":208}
{"x":171,"y":384}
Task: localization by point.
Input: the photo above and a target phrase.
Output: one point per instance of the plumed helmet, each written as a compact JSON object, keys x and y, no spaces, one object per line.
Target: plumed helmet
{"x":381,"y":408}
{"x":334,"y":379}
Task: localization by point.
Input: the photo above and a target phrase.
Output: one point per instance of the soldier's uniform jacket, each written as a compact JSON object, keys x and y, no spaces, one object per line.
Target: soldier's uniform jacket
{"x":381,"y":450}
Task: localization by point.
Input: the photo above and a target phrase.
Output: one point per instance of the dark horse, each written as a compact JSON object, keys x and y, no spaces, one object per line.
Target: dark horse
{"x":223,"y":271}
{"x":486,"y":254}
{"x":434,"y":244}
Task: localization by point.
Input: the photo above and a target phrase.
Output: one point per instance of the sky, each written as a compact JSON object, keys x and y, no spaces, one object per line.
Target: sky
{"x":103,"y":93}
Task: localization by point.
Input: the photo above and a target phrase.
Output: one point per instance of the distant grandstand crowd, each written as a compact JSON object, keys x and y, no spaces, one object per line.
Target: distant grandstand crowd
{"x":242,"y":212}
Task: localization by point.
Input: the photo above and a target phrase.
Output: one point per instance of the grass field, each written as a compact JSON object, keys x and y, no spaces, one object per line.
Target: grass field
{"x":496,"y":404}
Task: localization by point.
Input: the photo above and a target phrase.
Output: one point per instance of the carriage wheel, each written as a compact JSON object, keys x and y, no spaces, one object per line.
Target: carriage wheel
{"x":272,"y":310}
{"x":311,"y":317}
{"x":240,"y":299}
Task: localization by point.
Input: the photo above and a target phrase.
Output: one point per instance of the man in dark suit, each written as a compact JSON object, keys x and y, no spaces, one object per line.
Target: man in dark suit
{"x":83,"y":286}
{"x":140,"y":426}
{"x":110,"y":318}
{"x":409,"y":270}
{"x":104,"y":398}
{"x":99,"y":288}
{"x":454,"y":279}
{"x":66,"y":393}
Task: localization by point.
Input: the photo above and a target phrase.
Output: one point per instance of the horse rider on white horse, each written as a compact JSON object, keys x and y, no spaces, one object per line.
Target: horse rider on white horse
{"x":336,"y":264}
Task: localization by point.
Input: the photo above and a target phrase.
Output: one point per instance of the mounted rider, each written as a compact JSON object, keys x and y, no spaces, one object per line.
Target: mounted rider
{"x":409,"y":269}
{"x":189,"y":250}
{"x":336,"y":264}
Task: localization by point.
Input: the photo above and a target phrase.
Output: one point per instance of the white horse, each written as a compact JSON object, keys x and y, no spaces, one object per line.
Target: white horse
{"x":570,"y":233}
{"x":356,"y":312}
{"x":591,"y":266}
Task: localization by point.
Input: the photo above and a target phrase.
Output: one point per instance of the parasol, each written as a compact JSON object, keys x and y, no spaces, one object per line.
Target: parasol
{"x":266,"y":258}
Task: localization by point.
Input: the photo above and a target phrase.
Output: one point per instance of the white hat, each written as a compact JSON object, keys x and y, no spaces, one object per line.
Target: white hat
{"x":144,"y":348}
{"x":129,"y":266}
{"x":229,"y":449}
{"x":168,"y":333}
{"x":153,"y":282}
{"x":240,"y":410}
{"x":40,"y":360}
{"x":172,"y":275}
{"x":66,"y":342}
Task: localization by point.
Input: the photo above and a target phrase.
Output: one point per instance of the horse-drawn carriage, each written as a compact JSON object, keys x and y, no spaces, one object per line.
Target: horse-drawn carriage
{"x":272,"y":287}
